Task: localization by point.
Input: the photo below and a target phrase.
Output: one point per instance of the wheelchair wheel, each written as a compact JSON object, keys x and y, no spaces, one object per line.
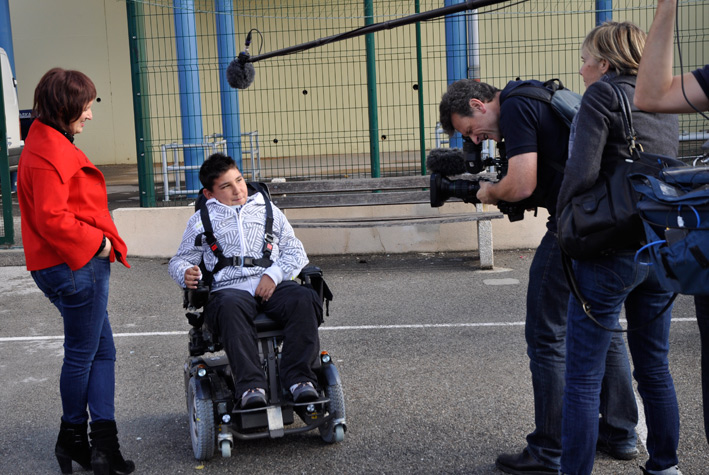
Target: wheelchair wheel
{"x":335,"y":431}
{"x":225,"y":448}
{"x":201,"y":413}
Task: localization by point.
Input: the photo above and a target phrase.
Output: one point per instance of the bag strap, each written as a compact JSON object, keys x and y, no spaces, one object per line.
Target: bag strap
{"x":627,"y":117}
{"x":634,"y":148}
{"x":576,"y":292}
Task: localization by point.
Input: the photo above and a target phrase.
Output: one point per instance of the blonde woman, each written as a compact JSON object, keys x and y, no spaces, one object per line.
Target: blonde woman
{"x":611,"y":54}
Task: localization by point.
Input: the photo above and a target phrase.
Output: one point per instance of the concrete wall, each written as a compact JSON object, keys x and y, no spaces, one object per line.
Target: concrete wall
{"x":91,"y":36}
{"x":132,"y":223}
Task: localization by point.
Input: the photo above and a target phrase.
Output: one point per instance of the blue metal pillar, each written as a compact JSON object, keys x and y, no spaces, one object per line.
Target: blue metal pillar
{"x":188,"y":78}
{"x":6,"y":34}
{"x":231,"y":125}
{"x":604,"y":11}
{"x":456,"y":54}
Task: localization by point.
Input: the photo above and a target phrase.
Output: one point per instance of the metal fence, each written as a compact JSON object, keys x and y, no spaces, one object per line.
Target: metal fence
{"x":366,"y":106}
{"x":7,"y":228}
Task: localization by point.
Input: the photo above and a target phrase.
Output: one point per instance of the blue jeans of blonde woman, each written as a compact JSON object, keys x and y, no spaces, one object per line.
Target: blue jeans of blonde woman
{"x":608,"y":283}
{"x":545,"y":332}
{"x":88,"y":373}
{"x":701,"y":303}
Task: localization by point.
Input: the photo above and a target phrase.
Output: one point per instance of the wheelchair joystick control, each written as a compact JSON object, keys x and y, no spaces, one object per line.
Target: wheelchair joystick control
{"x":198,"y":297}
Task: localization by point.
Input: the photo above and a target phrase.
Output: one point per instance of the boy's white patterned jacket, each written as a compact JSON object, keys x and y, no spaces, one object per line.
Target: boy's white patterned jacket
{"x":240,"y":233}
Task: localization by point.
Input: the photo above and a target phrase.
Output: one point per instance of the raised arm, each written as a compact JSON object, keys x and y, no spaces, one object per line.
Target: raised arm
{"x":657,"y":90}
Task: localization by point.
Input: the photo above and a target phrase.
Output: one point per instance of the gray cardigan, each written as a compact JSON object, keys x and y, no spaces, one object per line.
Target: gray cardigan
{"x":598,"y":135}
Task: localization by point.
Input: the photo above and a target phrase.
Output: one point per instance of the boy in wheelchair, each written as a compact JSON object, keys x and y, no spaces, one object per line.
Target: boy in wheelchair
{"x":249,"y":257}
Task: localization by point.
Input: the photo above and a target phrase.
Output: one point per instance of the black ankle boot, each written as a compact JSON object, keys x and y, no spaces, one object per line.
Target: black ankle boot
{"x":106,"y":458}
{"x":73,"y":444}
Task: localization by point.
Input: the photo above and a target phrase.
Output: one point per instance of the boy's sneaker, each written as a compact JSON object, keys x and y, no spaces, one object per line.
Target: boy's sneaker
{"x":255,"y":397}
{"x":304,"y":392}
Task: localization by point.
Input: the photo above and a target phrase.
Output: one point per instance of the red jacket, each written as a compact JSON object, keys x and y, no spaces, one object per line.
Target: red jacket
{"x":63,"y":203}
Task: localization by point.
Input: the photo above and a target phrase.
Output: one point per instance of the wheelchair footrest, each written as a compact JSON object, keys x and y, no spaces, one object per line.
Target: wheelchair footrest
{"x":261,"y":417}
{"x":275,"y":421}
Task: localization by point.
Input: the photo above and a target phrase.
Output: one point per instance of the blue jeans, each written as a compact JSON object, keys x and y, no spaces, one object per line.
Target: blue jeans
{"x":608,"y":283}
{"x":545,"y":332}
{"x":88,"y":372}
{"x":701,"y":303}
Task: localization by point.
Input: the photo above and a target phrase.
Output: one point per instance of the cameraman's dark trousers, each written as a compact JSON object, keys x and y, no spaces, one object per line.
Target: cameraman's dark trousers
{"x":230,"y":314}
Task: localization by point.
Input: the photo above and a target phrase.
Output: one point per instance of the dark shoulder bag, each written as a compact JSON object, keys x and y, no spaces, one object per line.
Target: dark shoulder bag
{"x":604,"y":218}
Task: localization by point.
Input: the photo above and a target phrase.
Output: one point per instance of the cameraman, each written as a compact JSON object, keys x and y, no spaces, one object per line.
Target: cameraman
{"x":657,"y":90}
{"x":536,"y":142}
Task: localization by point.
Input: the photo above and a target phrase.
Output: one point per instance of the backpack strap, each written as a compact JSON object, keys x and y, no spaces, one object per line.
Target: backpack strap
{"x":540,"y":93}
{"x":544,"y":93}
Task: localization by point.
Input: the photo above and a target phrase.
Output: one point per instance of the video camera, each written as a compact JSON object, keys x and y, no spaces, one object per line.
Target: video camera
{"x":444,"y":162}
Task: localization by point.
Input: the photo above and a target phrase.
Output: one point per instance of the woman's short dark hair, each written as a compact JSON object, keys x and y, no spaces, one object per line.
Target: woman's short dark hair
{"x":62,"y":96}
{"x":213,"y":167}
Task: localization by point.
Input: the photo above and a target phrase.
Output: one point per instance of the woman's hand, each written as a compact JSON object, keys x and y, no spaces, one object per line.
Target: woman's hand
{"x":106,"y":251}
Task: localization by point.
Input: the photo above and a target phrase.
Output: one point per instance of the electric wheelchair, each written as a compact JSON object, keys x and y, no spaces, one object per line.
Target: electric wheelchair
{"x":215,"y":419}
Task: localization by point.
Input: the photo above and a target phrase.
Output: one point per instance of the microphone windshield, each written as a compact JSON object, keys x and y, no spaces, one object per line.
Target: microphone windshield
{"x":240,"y":72}
{"x":446,"y":161}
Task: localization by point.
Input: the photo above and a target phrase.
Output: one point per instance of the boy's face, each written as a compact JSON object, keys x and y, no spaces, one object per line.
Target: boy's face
{"x":229,"y":189}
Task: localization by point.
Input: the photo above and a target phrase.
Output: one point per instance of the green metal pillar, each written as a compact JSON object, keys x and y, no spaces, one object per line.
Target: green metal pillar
{"x":372,"y":91}
{"x":419,"y":74}
{"x":136,"y":34}
{"x":8,"y":236}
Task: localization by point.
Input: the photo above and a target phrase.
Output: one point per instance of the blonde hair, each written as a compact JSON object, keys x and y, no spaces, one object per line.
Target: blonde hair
{"x":619,"y":43}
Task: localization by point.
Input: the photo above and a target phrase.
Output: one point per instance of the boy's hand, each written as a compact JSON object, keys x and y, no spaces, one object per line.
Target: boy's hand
{"x":265,"y":288}
{"x":192,"y":276}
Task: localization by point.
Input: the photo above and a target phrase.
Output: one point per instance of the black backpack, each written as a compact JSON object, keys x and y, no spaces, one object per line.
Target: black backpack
{"x":564,"y":102}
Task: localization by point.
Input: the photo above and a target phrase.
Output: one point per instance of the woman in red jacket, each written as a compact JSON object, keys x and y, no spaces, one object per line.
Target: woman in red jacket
{"x":69,"y":241}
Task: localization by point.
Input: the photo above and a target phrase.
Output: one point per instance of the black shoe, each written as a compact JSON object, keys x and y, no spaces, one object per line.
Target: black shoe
{"x":253,"y":398}
{"x":73,"y":444}
{"x":522,"y":464}
{"x":106,"y":458}
{"x":626,"y":454}
{"x":304,"y":392}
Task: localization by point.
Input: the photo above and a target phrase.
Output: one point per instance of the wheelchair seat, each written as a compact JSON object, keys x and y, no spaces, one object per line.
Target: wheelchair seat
{"x":265,"y":324}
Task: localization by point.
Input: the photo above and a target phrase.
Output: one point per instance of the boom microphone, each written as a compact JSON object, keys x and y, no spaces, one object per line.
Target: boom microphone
{"x":446,"y":161}
{"x":240,"y":72}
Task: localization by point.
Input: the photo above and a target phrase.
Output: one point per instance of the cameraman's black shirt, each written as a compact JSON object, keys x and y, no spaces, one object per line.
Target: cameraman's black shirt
{"x":531,"y":126}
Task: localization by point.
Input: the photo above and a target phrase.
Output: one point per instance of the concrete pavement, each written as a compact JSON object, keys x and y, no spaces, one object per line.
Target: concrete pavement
{"x":430,"y":348}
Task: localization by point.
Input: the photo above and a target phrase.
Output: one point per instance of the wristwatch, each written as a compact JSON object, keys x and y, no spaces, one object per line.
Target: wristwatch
{"x":103,"y":245}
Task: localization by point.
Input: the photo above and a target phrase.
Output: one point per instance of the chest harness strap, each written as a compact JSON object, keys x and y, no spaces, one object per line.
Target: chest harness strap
{"x":224,"y":261}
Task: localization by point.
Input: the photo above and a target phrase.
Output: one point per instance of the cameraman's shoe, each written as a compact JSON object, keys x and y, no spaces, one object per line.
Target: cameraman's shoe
{"x":522,"y":464}
{"x":615,"y":452}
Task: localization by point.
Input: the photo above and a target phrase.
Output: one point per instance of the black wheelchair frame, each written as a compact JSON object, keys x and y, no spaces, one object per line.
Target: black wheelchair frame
{"x":214,"y":416}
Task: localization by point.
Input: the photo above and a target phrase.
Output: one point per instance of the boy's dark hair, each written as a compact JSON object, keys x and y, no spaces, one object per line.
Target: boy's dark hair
{"x":61,"y":97}
{"x":213,"y":167}
{"x":457,"y":100}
